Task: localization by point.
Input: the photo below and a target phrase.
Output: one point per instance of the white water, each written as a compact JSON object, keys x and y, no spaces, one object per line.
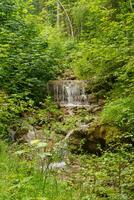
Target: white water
{"x":69,"y":93}
{"x":57,"y":165}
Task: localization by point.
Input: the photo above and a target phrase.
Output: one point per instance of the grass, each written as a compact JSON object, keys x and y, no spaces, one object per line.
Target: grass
{"x":109,"y":177}
{"x":21,"y":181}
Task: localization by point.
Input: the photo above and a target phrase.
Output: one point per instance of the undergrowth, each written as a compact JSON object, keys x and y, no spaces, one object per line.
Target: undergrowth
{"x":99,"y":178}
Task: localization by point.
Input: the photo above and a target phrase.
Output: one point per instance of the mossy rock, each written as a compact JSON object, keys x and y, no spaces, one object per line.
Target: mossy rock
{"x":82,"y":142}
{"x":113,"y":134}
{"x":94,"y":139}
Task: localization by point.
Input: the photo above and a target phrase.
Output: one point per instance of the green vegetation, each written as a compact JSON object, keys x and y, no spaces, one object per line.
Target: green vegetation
{"x":100,"y":178}
{"x":40,"y":40}
{"x":22,"y":181}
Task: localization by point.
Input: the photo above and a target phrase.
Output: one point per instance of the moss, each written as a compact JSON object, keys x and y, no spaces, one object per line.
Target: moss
{"x":112,"y":133}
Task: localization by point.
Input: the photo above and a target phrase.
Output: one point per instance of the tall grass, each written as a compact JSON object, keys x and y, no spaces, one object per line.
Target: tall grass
{"x":19,"y":180}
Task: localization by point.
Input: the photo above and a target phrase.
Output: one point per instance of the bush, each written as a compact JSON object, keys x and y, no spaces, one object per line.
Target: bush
{"x":120,"y":112}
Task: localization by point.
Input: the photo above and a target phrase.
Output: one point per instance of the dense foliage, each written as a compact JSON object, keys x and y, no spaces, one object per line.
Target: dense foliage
{"x":29,"y":57}
{"x":107,"y":177}
{"x":41,"y":39}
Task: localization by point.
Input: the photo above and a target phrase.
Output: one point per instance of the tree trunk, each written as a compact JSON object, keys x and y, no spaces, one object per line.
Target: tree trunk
{"x":58,"y":14}
{"x":68,"y":18}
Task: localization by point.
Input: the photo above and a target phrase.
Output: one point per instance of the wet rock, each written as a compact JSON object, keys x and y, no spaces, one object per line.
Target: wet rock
{"x":92,"y":99}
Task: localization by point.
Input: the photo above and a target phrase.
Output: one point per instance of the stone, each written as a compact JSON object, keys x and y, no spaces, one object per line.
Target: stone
{"x":87,"y":139}
{"x":31,"y":135}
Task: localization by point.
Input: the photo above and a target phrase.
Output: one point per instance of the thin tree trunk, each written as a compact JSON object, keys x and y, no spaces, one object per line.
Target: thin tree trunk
{"x":58,"y":14}
{"x":131,"y":5}
{"x":68,"y":18}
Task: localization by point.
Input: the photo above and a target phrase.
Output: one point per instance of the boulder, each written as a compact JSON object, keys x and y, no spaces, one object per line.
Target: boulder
{"x":87,"y":138}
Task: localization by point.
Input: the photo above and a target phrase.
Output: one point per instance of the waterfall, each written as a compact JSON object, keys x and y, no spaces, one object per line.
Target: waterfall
{"x":68,"y":92}
{"x":69,"y":89}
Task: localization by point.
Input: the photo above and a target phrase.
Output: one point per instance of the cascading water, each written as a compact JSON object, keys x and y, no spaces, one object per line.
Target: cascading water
{"x":68,"y":92}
